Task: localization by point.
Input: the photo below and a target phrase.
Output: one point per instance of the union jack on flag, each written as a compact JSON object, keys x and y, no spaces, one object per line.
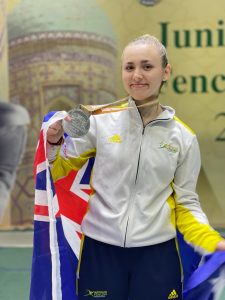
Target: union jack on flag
{"x":58,"y":212}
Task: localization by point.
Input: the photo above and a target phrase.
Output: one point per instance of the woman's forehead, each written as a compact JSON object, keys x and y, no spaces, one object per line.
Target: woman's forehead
{"x":141,"y":52}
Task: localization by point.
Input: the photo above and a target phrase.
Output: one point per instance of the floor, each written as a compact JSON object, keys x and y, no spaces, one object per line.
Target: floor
{"x":15,"y":264}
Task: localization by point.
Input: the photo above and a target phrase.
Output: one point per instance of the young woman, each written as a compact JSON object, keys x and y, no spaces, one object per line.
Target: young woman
{"x":144,"y":178}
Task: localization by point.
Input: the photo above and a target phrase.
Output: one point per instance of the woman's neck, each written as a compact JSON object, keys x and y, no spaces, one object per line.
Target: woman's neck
{"x":149,"y":110}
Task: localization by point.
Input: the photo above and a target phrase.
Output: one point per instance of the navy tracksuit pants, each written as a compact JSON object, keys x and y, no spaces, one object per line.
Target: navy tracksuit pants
{"x":139,"y":273}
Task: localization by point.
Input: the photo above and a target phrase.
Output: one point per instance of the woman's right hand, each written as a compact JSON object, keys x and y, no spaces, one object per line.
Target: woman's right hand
{"x":55,"y":131}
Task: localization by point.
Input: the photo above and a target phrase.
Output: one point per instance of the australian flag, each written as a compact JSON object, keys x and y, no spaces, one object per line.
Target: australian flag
{"x":58,"y":212}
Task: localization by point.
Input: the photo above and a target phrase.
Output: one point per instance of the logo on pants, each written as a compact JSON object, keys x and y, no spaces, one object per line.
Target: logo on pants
{"x":96,"y":294}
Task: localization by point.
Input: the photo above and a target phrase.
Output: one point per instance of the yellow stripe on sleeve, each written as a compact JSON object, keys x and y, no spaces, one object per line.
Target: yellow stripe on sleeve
{"x":171,"y":203}
{"x":200,"y":235}
{"x":185,"y":125}
{"x":61,"y":166}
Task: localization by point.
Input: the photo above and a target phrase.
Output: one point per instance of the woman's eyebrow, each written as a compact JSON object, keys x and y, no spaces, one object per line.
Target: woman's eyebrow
{"x":146,"y":61}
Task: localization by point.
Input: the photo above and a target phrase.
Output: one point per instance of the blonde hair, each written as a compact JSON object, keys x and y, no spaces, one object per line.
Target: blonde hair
{"x":151,"y":40}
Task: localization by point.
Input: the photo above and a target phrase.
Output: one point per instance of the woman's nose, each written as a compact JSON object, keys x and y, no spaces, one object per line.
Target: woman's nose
{"x":138,"y":74}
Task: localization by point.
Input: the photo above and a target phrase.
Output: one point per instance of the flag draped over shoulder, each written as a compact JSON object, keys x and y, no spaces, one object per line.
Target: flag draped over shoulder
{"x":58,"y":212}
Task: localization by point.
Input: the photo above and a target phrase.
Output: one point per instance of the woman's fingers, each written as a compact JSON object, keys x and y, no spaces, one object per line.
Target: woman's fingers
{"x":55,"y":132}
{"x":68,"y":118}
{"x":221,"y":246}
{"x":56,"y":126}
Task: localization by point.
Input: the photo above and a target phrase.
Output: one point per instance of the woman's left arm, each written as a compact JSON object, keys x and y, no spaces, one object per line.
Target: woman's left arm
{"x":191,"y":221}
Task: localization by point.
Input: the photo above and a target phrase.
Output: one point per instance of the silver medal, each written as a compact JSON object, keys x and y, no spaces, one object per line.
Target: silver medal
{"x":79,"y":125}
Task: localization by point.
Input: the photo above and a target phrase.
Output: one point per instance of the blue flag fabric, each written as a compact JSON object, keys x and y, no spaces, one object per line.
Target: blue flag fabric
{"x":208,"y":281}
{"x":57,"y":236}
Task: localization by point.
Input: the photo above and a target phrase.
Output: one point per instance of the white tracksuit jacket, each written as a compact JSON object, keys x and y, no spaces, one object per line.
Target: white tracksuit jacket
{"x":143,"y":180}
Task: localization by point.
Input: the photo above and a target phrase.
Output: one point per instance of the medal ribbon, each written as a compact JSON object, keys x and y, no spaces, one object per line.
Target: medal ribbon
{"x":118,"y":105}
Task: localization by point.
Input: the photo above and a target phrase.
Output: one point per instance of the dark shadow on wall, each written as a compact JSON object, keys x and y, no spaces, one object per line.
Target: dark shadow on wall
{"x":13,"y":135}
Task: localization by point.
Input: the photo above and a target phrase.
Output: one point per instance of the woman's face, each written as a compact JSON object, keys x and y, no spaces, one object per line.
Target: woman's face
{"x":142,"y":72}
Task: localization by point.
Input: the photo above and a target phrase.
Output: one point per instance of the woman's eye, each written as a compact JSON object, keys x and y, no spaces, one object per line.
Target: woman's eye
{"x":129,"y":68}
{"x":148,"y":67}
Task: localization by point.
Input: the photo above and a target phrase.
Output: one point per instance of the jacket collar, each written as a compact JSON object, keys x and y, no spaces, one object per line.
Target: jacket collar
{"x":167,"y":113}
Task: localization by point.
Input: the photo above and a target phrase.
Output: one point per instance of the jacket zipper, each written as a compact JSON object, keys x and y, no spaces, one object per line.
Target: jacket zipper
{"x":125,"y":236}
{"x":143,"y":130}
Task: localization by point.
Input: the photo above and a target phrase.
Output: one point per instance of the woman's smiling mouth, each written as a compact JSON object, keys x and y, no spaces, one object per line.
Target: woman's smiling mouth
{"x":138,"y":85}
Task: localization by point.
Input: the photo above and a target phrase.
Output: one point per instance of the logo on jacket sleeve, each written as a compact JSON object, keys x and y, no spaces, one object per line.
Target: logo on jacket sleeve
{"x":115,"y":139}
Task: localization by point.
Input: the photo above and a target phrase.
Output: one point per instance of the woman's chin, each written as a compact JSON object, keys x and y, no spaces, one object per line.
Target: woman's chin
{"x":144,"y":99}
{"x":137,"y":97}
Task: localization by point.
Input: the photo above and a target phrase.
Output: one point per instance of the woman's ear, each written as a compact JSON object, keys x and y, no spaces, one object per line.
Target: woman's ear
{"x":167,"y":72}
